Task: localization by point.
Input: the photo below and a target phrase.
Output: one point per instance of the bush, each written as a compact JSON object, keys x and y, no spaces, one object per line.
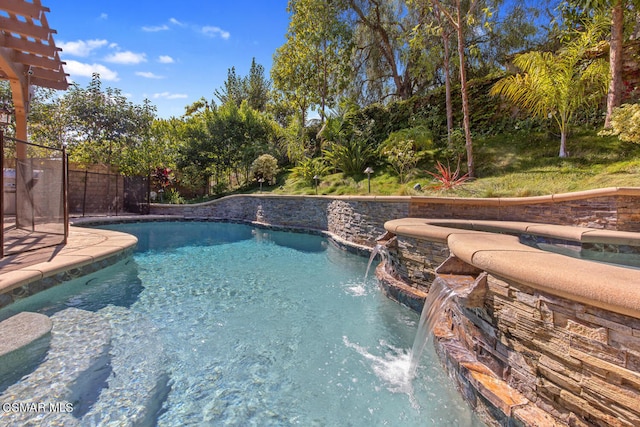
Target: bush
{"x":403,"y":149}
{"x":625,"y":122}
{"x":308,"y":168}
{"x":265,"y":167}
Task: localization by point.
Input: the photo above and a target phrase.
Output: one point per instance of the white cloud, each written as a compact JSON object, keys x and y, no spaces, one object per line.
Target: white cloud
{"x":82,"y":48}
{"x":169,"y":95}
{"x":156,"y":28}
{"x":126,"y":57}
{"x":165,"y":59}
{"x":104,"y":16}
{"x":148,"y":75}
{"x":76,"y":68}
{"x":215,"y":31}
{"x":174,"y":21}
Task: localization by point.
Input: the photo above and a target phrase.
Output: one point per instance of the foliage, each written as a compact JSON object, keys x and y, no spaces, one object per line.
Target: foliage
{"x":447,"y":178}
{"x":310,"y":70}
{"x":420,"y":137}
{"x":346,"y":147}
{"x":625,"y":122}
{"x":402,"y":157}
{"x":173,"y":196}
{"x":105,"y":127}
{"x":306,"y":169}
{"x":265,"y":167}
{"x":403,"y":149}
{"x":254,"y":88}
{"x":162,"y":177}
{"x":557,"y":85}
{"x":226,"y":139}
{"x":350,"y":156}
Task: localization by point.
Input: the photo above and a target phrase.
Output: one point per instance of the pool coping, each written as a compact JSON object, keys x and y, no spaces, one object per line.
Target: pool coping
{"x":477,"y":243}
{"x":87,"y":250}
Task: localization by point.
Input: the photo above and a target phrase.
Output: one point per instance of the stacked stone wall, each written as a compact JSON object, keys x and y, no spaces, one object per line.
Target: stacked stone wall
{"x":576,"y":362}
{"x":357,"y":221}
{"x":611,"y":212}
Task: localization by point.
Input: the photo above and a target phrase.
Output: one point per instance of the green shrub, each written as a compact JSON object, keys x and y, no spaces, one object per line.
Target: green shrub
{"x":173,"y":197}
{"x":265,"y":167}
{"x":308,"y":168}
{"x":625,"y":122}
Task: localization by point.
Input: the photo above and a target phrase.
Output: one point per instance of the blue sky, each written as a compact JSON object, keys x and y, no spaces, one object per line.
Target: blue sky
{"x":172,"y":53}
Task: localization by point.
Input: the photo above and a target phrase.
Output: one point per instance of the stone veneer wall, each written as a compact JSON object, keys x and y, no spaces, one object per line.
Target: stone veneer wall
{"x":609,"y":208}
{"x":578,"y":363}
{"x":358,"y":220}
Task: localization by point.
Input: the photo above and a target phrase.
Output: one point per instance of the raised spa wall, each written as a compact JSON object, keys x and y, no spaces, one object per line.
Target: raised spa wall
{"x":533,"y":338}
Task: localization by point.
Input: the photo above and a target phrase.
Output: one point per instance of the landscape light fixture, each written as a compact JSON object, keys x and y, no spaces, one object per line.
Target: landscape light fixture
{"x":369,"y":171}
{"x":261,"y":180}
{"x":316,"y":178}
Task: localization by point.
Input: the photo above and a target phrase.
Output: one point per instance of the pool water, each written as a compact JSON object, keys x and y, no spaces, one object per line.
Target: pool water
{"x":225,"y":324}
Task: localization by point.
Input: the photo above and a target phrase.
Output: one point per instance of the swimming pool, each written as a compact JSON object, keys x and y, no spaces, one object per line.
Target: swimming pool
{"x":226,"y":324}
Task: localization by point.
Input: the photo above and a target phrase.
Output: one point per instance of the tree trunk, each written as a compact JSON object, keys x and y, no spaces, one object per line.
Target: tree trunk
{"x":465,"y":96}
{"x":447,"y":86}
{"x":563,"y":143}
{"x":615,"y":61}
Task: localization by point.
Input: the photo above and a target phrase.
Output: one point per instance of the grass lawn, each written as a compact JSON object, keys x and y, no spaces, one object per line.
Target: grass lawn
{"x":507,"y":165}
{"x":519,"y":164}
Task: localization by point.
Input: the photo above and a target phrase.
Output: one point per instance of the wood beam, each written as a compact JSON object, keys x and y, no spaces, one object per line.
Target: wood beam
{"x":25,"y":29}
{"x":28,"y":46}
{"x":23,"y":8}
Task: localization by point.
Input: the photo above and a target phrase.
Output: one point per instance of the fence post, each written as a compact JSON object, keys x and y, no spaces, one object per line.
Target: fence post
{"x":84,"y":195}
{"x":65,"y":191}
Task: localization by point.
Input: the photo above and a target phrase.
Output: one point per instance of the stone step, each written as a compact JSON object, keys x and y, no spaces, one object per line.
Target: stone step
{"x":102,"y":368}
{"x":24,"y":340}
{"x":79,"y":347}
{"x":139,"y":383}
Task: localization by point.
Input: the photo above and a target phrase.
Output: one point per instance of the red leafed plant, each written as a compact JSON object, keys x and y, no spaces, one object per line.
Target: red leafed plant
{"x":446,"y":177}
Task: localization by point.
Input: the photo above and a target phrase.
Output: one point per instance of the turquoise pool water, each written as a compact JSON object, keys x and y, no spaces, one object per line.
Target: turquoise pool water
{"x":225,"y":324}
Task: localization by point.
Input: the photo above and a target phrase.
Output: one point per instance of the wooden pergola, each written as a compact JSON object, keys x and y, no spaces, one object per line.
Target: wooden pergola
{"x":28,"y":55}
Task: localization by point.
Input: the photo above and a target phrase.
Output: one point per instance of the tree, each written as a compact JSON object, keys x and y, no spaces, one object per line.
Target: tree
{"x":233,"y":89}
{"x":458,"y":15}
{"x":104,"y":126}
{"x":49,"y":119}
{"x":405,"y":148}
{"x":558,"y":85}
{"x":615,"y":10}
{"x":257,"y":87}
{"x":625,"y":122}
{"x":383,"y":48}
{"x":224,"y":141}
{"x":310,"y":68}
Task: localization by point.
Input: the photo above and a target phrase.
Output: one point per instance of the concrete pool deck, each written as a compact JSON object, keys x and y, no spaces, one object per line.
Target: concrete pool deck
{"x":87,"y":250}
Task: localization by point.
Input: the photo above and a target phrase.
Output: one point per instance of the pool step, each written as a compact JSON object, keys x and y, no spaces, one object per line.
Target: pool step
{"x":95,"y":369}
{"x":24,"y":341}
{"x":79,"y":346}
{"x":139,"y":383}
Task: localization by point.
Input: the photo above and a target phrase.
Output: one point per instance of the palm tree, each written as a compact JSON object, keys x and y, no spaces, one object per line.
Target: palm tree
{"x":556,"y":85}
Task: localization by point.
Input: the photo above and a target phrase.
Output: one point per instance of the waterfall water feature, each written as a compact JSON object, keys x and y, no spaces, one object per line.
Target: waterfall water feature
{"x":378,"y":249}
{"x":439,"y":294}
